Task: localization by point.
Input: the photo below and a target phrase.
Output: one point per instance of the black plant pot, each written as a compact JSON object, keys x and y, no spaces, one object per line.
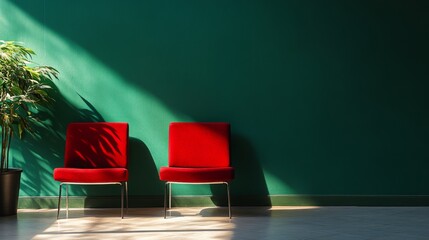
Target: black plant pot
{"x":9,"y":191}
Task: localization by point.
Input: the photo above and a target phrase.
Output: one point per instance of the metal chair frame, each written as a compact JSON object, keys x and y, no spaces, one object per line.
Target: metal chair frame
{"x":124,"y":188}
{"x":167,"y":191}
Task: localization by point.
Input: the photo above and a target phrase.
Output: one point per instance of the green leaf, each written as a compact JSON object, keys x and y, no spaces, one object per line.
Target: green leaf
{"x":20,"y":129}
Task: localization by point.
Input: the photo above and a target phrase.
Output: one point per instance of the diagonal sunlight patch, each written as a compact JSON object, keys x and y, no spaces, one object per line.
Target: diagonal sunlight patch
{"x":139,"y":224}
{"x":86,"y":83}
{"x":81,"y":74}
{"x":277,"y":186}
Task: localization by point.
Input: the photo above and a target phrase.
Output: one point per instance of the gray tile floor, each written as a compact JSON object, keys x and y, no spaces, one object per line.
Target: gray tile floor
{"x":303,"y":223}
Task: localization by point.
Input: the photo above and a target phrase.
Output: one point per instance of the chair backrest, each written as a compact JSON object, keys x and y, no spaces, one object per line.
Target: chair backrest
{"x":96,"y":145}
{"x":197,"y":144}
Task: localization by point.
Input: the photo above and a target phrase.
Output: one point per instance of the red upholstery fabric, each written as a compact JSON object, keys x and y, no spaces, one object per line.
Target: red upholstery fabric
{"x":85,"y":175}
{"x":95,"y":153}
{"x":96,"y":145}
{"x":198,"y":153}
{"x":196,"y":175}
{"x":198,"y":145}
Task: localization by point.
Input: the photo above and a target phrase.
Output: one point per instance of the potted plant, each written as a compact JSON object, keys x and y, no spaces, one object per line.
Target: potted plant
{"x":24,"y":88}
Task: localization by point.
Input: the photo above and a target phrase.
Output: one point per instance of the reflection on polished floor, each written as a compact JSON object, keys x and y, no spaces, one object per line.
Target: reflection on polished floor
{"x":304,"y":223}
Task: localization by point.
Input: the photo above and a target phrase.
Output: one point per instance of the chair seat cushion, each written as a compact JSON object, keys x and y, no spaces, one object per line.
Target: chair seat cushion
{"x":196,"y":175}
{"x":91,"y":175}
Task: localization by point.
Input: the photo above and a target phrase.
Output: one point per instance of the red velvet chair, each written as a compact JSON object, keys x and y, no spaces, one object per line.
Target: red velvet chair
{"x":95,"y":154}
{"x":198,"y":153}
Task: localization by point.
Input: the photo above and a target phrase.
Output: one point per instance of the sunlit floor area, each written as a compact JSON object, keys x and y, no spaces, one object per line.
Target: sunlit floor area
{"x":304,"y":223}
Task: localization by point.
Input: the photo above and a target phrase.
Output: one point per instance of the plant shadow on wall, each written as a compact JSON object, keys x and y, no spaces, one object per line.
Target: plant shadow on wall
{"x":45,"y":151}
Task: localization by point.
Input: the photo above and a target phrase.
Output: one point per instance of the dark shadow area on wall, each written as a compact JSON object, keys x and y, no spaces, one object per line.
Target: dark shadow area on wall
{"x":249,"y":187}
{"x":143,"y":176}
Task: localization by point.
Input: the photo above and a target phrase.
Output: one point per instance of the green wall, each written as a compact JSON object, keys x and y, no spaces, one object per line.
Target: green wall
{"x":324,"y":97}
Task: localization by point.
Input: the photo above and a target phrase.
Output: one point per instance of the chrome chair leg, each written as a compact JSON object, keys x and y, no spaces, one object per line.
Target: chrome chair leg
{"x":67,"y":201}
{"x":165,"y":199}
{"x":59,"y":202}
{"x":229,"y":201}
{"x":170,"y":186}
{"x":126,"y":197}
{"x":122,"y":200}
